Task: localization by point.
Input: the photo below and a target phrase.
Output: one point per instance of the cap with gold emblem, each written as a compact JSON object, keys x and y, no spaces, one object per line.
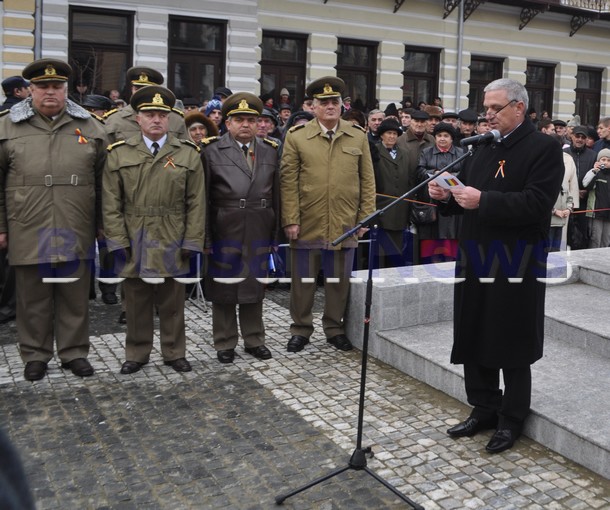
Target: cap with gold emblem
{"x":46,"y":70}
{"x":242,"y":103}
{"x":153,"y":98}
{"x":326,"y":87}
{"x":140,"y":76}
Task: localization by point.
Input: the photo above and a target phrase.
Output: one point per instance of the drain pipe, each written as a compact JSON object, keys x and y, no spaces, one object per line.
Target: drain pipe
{"x":460,"y":47}
{"x":38,"y":30}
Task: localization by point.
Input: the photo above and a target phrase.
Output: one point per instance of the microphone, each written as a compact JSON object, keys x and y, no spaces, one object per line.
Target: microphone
{"x":491,"y":136}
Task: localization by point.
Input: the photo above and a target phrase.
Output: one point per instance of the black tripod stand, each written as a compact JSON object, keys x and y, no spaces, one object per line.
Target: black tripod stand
{"x":358,"y":459}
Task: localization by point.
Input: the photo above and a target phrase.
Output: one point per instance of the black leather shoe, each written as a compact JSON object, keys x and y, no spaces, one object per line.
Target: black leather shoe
{"x":109,"y":298}
{"x":131,"y":367}
{"x":179,"y":365}
{"x":79,"y":366}
{"x":260,"y":352}
{"x":501,"y":440}
{"x":471,"y":426}
{"x":341,"y":342}
{"x":122,"y":318}
{"x":226,"y":356}
{"x":34,"y":370}
{"x":297,"y":343}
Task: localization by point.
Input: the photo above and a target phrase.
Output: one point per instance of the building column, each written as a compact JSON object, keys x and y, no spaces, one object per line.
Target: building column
{"x":322,"y":56}
{"x":564,"y":98}
{"x":390,"y":65}
{"x":18,"y":43}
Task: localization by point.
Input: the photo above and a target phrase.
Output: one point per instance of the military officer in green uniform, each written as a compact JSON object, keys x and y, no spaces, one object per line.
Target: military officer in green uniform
{"x":327,"y":187}
{"x":52,"y":155}
{"x":154,"y":217}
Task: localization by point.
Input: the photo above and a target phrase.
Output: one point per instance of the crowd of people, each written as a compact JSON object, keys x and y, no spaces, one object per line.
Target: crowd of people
{"x":155,"y":191}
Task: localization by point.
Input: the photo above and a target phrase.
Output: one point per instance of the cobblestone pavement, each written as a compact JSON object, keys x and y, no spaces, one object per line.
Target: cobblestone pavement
{"x":236,"y":436}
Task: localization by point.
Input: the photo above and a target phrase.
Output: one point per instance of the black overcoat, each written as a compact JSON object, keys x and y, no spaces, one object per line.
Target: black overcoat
{"x":500,"y":323}
{"x":243,"y":218}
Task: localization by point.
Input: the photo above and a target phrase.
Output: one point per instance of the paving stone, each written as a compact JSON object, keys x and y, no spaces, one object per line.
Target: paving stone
{"x":237,"y":436}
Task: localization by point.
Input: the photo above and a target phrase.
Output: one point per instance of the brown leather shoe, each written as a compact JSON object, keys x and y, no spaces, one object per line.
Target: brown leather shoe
{"x":260,"y":352}
{"x":341,"y":342}
{"x":79,"y":366}
{"x":131,"y":367}
{"x":179,"y":365}
{"x":34,"y":370}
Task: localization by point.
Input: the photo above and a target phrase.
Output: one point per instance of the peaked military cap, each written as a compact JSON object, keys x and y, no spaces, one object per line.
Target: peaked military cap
{"x":141,"y":76}
{"x":242,"y":103}
{"x":153,"y":98}
{"x":47,"y":70}
{"x":97,"y":102}
{"x":13,"y":82}
{"x":326,"y":87}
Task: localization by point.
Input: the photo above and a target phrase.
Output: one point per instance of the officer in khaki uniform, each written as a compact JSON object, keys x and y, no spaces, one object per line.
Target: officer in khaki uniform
{"x":327,"y":187}
{"x":121,"y":124}
{"x":52,"y":154}
{"x":154,"y":217}
{"x":243,"y":198}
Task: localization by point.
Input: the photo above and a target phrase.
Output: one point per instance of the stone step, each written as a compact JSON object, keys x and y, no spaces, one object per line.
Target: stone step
{"x":579,"y":314}
{"x":570,"y":395}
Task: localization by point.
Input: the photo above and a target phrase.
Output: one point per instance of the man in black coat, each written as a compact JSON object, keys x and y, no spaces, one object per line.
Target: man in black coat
{"x":510,"y":188}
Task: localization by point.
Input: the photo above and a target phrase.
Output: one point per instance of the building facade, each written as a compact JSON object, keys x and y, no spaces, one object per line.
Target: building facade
{"x":386,"y":50}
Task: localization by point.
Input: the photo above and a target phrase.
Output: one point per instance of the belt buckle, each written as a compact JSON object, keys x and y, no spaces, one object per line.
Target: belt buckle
{"x":264,"y":203}
{"x":242,"y":203}
{"x":74,"y":180}
{"x":48,"y":180}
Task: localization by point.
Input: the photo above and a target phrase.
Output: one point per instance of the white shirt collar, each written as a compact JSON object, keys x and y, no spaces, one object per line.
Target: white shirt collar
{"x":160,"y":142}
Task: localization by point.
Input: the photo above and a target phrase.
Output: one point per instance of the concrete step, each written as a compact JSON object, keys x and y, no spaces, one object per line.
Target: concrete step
{"x":579,"y":314}
{"x":570,"y":396}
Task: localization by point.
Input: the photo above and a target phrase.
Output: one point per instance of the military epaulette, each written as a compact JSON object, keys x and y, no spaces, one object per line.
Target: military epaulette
{"x":97,"y":117}
{"x":358,"y":126}
{"x":179,"y":112}
{"x":4,"y":112}
{"x":115,"y":145}
{"x":110,"y":112}
{"x":209,"y":140}
{"x":294,"y":128}
{"x":271,"y":142}
{"x":191,"y":143}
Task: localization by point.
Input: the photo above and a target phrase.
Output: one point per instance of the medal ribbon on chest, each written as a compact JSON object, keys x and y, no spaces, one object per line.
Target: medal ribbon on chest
{"x":170,"y":161}
{"x":500,"y":170}
{"x":81,"y":138}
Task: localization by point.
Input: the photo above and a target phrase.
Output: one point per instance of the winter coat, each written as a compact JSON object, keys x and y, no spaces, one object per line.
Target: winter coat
{"x":568,"y":196}
{"x":392,"y":177}
{"x":154,"y":206}
{"x":121,"y":124}
{"x":243,"y":217}
{"x":327,"y":186}
{"x":430,"y":160}
{"x":50,"y":177}
{"x":500,"y":323}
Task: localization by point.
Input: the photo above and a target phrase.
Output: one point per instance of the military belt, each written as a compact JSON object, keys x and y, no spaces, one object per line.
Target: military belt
{"x":145,"y":210}
{"x":48,"y":180}
{"x":242,"y":203}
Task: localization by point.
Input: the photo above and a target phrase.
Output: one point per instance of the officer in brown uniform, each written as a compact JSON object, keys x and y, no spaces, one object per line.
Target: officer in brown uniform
{"x":243,"y":198}
{"x":327,"y":187}
{"x":52,"y":154}
{"x":154,"y":217}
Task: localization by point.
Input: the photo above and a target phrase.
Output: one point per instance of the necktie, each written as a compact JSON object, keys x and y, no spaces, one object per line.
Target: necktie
{"x":330,"y":134}
{"x":245,"y":149}
{"x":155,"y":148}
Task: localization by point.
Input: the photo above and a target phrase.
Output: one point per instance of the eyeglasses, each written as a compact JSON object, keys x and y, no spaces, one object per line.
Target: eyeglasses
{"x":491,"y":112}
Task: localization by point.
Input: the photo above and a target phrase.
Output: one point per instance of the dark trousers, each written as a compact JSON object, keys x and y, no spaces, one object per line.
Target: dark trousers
{"x":484,"y":394}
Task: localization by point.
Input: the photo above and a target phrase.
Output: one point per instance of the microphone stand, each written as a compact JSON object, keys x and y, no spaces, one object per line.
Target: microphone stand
{"x":358,"y":458}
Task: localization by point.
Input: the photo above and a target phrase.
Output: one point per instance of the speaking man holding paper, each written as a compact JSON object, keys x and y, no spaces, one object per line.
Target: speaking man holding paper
{"x":510,"y":186}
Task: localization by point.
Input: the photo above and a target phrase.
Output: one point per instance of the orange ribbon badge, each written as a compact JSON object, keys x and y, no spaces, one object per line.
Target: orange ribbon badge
{"x":500,"y":169}
{"x":170,"y":161}
{"x":81,"y":138}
